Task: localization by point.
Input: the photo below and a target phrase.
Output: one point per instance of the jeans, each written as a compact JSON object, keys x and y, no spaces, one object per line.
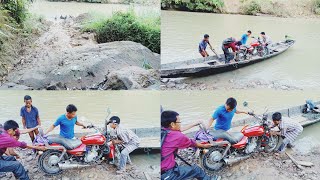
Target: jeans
{"x":10,"y":164}
{"x":185,"y":172}
{"x":124,"y":155}
{"x":217,"y":134}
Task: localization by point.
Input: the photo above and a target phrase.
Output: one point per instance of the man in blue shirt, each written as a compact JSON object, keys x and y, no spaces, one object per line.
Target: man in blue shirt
{"x":30,"y":117}
{"x":67,"y":122}
{"x":245,"y":37}
{"x":203,"y":46}
{"x":223,"y":116}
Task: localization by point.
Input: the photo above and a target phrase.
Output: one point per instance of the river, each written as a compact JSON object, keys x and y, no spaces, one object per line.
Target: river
{"x":50,"y":10}
{"x":136,"y":109}
{"x":182,"y":31}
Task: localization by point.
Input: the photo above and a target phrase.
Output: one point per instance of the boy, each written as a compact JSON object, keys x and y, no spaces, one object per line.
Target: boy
{"x":203,"y":46}
{"x":289,"y":130}
{"x":173,"y":141}
{"x":127,"y":138}
{"x":9,"y":163}
{"x":30,"y":117}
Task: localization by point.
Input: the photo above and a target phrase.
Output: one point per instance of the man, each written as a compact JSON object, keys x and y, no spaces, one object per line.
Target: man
{"x":203,"y":46}
{"x":174,"y":140}
{"x":230,"y":43}
{"x":289,"y":130}
{"x":30,"y":117}
{"x":67,"y":122}
{"x":9,"y":163}
{"x":223,"y":116}
{"x":245,"y":37}
{"x":266,"y":40}
{"x":127,"y":138}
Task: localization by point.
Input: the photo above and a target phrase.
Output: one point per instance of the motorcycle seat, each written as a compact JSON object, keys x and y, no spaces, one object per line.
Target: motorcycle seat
{"x":69,"y":144}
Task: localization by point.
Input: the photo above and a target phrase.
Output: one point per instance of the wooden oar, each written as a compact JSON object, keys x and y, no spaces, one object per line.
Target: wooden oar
{"x":215,"y":52}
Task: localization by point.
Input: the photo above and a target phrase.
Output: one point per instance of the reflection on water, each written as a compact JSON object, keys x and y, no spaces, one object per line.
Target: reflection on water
{"x":137,"y":109}
{"x":182,"y":31}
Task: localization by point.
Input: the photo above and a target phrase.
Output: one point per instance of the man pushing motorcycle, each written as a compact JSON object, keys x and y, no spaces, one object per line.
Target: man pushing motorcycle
{"x":127,"y":138}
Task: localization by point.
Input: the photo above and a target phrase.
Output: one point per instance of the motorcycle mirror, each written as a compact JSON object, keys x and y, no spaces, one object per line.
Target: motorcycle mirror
{"x":245,"y":103}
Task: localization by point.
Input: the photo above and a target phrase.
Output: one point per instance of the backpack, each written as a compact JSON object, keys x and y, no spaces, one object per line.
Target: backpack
{"x":164,"y":133}
{"x":228,"y":41}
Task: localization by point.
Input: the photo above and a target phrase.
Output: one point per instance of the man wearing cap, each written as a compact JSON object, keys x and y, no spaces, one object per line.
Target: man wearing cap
{"x":9,"y":163}
{"x":127,"y":138}
{"x":203,"y":46}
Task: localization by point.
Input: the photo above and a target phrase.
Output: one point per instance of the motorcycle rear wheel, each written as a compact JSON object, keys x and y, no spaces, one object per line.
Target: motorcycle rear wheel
{"x":48,"y":167}
{"x":207,"y":161}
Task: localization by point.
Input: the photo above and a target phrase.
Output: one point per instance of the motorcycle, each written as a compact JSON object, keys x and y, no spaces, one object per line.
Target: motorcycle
{"x":91,"y":149}
{"x":246,"y":52}
{"x":250,"y":139}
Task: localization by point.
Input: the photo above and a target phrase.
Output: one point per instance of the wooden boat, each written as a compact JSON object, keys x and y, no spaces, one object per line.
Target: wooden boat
{"x":213,"y":65}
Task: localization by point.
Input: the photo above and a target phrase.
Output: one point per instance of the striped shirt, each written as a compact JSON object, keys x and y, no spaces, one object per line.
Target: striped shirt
{"x":290,"y":129}
{"x":127,"y":136}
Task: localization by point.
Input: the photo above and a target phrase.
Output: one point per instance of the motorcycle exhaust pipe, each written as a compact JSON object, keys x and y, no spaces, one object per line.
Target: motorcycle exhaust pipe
{"x":64,"y":166}
{"x":230,"y":161}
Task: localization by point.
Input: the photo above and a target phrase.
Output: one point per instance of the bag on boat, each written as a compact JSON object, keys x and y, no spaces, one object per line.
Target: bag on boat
{"x":228,"y":41}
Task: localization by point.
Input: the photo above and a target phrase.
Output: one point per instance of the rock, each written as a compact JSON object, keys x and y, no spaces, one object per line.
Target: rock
{"x":29,"y":158}
{"x":65,"y":178}
{"x":171,"y":85}
{"x":81,"y":61}
{"x":284,"y":87}
{"x":9,"y":175}
{"x":2,"y":174}
{"x":229,"y":174}
{"x":153,"y":167}
{"x":165,"y":80}
{"x":131,"y":78}
{"x":11,"y":85}
{"x":231,"y":81}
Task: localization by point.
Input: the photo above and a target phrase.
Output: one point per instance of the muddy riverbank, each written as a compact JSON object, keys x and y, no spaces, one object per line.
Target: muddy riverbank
{"x":146,"y":170}
{"x":63,"y":57}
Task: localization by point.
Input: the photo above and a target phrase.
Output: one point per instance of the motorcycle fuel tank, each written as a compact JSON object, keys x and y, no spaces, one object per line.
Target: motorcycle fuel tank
{"x":253,"y":131}
{"x":95,"y":139}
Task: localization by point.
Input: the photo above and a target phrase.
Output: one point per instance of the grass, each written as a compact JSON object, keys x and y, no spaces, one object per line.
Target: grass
{"x":126,"y":26}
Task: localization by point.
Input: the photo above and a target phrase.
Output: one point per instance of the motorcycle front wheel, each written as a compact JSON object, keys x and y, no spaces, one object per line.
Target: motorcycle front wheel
{"x":272,"y":144}
{"x":213,"y":160}
{"x":48,"y":162}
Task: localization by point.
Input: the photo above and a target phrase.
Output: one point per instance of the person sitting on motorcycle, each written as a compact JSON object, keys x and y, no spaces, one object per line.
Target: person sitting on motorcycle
{"x":289,"y":130}
{"x":230,"y":43}
{"x":174,"y":140}
{"x":127,"y":138}
{"x":223,"y":116}
{"x":67,"y":122}
{"x":203,"y":46}
{"x":245,"y":37}
{"x":9,"y":163}
{"x":266,"y":40}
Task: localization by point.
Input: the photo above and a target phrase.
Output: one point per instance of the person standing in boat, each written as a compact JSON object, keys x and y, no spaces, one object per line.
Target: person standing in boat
{"x":203,"y":46}
{"x":230,"y":43}
{"x":223,"y":116}
{"x":266,"y":40}
{"x":244,"y":37}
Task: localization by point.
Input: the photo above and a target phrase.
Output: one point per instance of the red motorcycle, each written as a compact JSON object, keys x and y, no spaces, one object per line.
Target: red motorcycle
{"x":246,"y":52}
{"x":251,"y":139}
{"x":66,"y":154}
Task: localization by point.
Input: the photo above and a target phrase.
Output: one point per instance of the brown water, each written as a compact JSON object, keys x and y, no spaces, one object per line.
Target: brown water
{"x":51,"y":10}
{"x":182,"y":31}
{"x":137,"y":109}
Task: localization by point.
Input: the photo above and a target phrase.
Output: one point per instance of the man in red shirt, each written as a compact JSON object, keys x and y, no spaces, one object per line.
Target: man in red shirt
{"x":173,"y":141}
{"x":230,"y":43}
{"x":9,"y":163}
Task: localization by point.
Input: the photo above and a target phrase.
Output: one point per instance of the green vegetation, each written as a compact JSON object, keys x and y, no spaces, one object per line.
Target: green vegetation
{"x":250,"y":7}
{"x":316,"y":6}
{"x":127,"y":26}
{"x":194,"y":5}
